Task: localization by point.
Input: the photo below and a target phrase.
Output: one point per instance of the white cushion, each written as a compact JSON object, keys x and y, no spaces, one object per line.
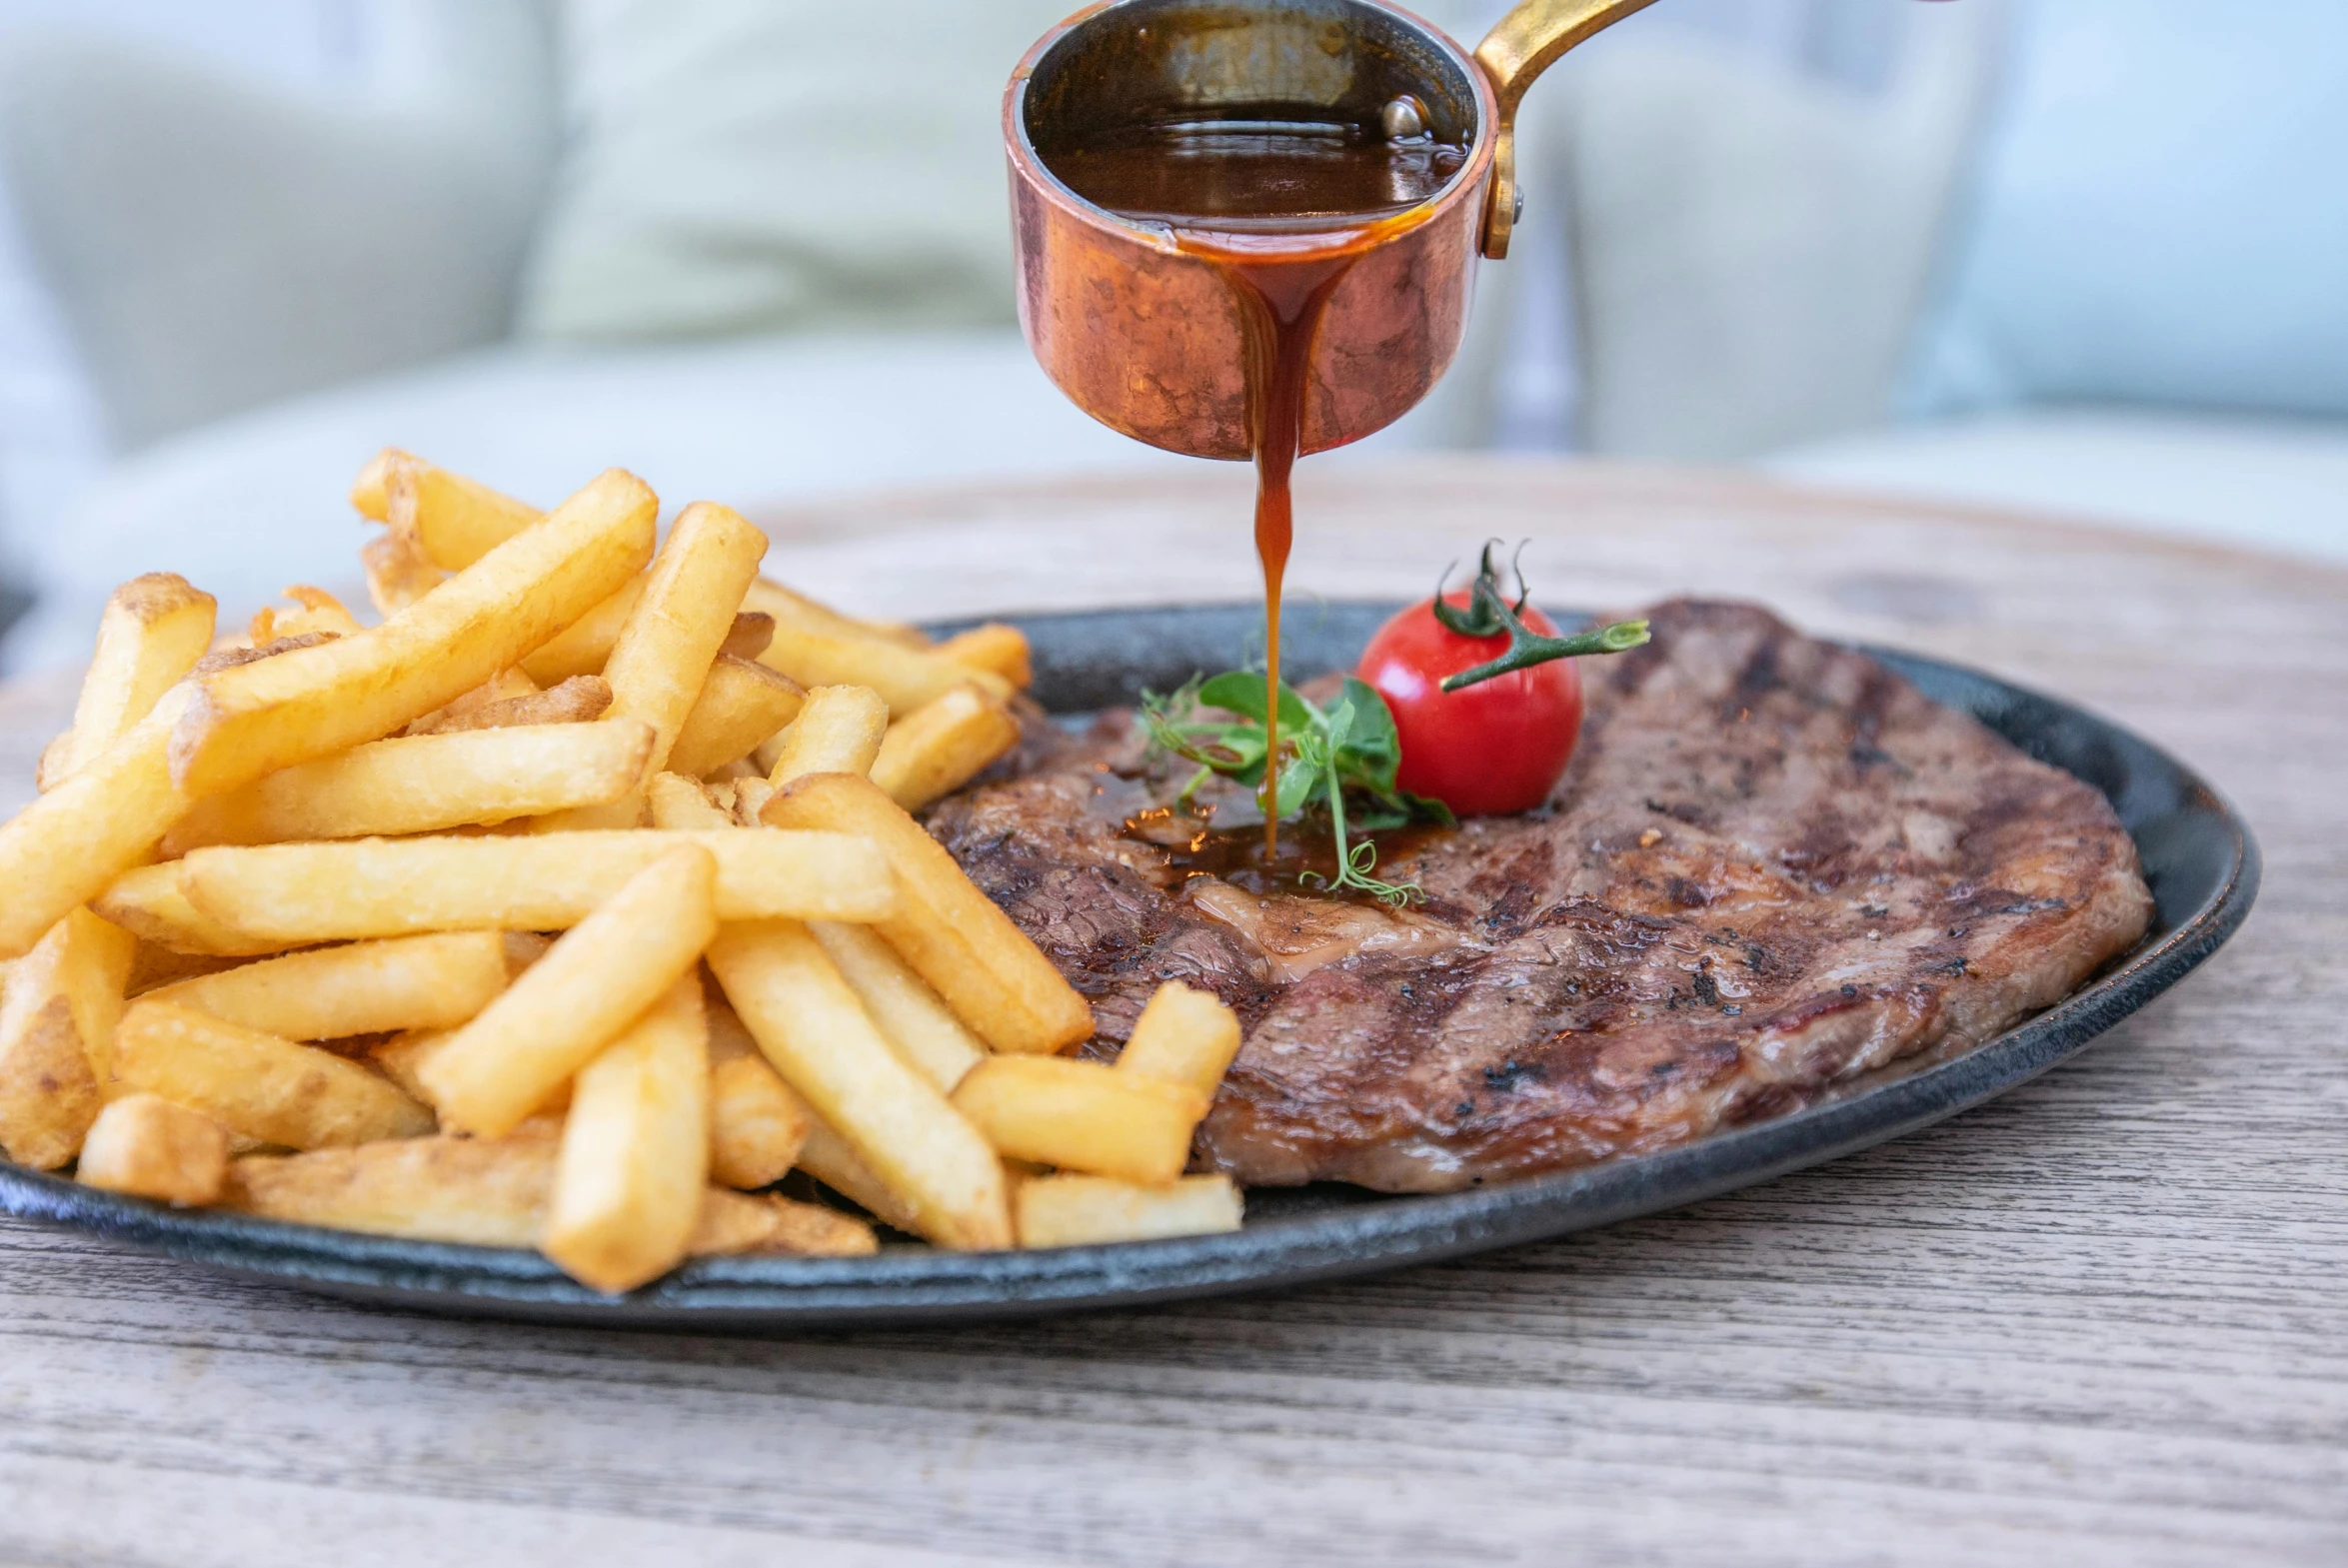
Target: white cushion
{"x":744,"y":165}
{"x":2162,"y":214}
{"x":2276,"y":484}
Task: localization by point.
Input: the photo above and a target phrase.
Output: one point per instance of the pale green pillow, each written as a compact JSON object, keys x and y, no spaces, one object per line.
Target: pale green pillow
{"x":751,"y":165}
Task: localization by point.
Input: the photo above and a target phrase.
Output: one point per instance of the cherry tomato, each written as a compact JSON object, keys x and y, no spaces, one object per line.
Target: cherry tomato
{"x":1494,"y":748}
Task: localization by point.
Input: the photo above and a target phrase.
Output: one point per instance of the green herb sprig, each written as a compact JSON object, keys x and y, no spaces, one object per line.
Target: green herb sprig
{"x":1349,"y":748}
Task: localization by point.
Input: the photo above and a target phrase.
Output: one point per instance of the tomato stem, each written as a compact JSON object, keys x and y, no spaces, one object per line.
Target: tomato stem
{"x":1489,"y":614}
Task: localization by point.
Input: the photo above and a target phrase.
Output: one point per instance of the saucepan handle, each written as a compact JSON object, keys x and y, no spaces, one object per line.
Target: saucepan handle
{"x":1518,"y":48}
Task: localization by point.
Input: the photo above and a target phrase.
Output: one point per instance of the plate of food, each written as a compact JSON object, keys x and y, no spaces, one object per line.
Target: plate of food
{"x":614,"y":935}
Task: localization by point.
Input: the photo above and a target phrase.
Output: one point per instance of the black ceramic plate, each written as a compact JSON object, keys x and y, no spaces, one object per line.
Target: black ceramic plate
{"x":2197,"y":853}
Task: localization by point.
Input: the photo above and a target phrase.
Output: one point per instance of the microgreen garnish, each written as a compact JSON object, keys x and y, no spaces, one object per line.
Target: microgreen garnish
{"x":1489,"y":614}
{"x":1350,"y":746}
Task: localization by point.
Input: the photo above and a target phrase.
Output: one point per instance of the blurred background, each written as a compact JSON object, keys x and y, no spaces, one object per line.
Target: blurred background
{"x":2088,"y":257}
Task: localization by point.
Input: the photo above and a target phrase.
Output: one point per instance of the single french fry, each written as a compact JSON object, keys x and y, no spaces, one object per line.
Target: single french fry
{"x":636,"y":1148}
{"x":789,"y":606}
{"x":749,"y":636}
{"x":756,"y":1123}
{"x":367,"y":489}
{"x":452,"y":519}
{"x":293,"y":894}
{"x":838,"y":730}
{"x":1082,"y":1115}
{"x":423,"y":784}
{"x":487,"y":1191}
{"x":904,"y":676}
{"x":589,"y":988}
{"x":831,"y":1159}
{"x":1184,"y":1036}
{"x":681,"y":805}
{"x":740,"y":704}
{"x":152,"y":632}
{"x":998,"y":648}
{"x":371,"y":988}
{"x":1075,"y":1210}
{"x":810,"y":1024}
{"x":321,"y":613}
{"x":911,"y":1017}
{"x":733,"y":1223}
{"x":503,"y":687}
{"x":750,"y":800}
{"x":147,"y":902}
{"x":258,"y":1085}
{"x":58,"y":1018}
{"x":154,"y":965}
{"x":397,"y":573}
{"x":994,"y":978}
{"x":60,"y":852}
{"x":145,"y":1145}
{"x":936,"y":748}
{"x":583,"y":647}
{"x":261,"y":717}
{"x":580,"y":700}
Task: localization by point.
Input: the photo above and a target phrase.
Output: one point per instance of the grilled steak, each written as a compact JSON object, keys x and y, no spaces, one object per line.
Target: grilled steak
{"x":1774,"y":866}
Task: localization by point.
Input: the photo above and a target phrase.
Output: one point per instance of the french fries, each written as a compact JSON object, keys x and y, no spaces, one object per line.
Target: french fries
{"x":578,"y":700}
{"x":838,"y":730}
{"x":1082,"y":1115}
{"x":147,"y":902}
{"x":731,"y":1223}
{"x":756,"y":1123}
{"x":453,"y":521}
{"x":910,"y":1015}
{"x":258,"y":1085}
{"x":582,"y":648}
{"x":397,"y":573}
{"x":740,"y":704}
{"x":503,"y":687}
{"x":58,"y":1017}
{"x":61,"y":850}
{"x":994,"y":978}
{"x":152,"y":632}
{"x":636,"y":1147}
{"x":995,"y":648}
{"x":423,"y":784}
{"x":681,"y":805}
{"x":906,"y":678}
{"x":145,"y":1145}
{"x":941,"y":745}
{"x":1184,"y":1036}
{"x":1066,"y":1210}
{"x":370,"y":987}
{"x":293,"y":894}
{"x":584,"y":993}
{"x":811,"y":1025}
{"x":273,"y":713}
{"x":829,"y":1158}
{"x":788,"y":606}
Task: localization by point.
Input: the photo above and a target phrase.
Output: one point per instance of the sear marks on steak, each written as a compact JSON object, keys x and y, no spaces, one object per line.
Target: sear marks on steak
{"x":1774,"y":866}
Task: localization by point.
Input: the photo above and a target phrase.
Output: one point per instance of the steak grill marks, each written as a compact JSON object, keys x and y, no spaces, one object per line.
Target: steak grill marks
{"x":1774,"y":866}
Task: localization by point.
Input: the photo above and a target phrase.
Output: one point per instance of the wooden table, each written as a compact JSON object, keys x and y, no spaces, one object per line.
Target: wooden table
{"x":2105,"y":1320}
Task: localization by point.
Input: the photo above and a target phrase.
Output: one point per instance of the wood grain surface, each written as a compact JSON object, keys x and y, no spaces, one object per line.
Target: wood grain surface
{"x":2102,"y":1320}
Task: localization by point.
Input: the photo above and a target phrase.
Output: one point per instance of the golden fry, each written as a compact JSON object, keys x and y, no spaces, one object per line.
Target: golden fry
{"x":594,"y":982}
{"x":756,"y":1123}
{"x":153,"y":631}
{"x":489,"y":1192}
{"x":681,"y":805}
{"x":1081,"y":1115}
{"x":995,"y":648}
{"x":994,"y":978}
{"x":320,"y":615}
{"x":397,"y":573}
{"x":454,"y":521}
{"x":788,"y":606}
{"x":257,"y":1085}
{"x":740,"y":704}
{"x":831,"y":1159}
{"x":147,"y":902}
{"x":60,"y":852}
{"x":261,"y":717}
{"x":838,"y":730}
{"x":292,"y":895}
{"x":370,"y":987}
{"x":904,"y":676}
{"x":583,"y":647}
{"x":423,"y":783}
{"x":367,"y":489}
{"x":58,"y":1019}
{"x":811,"y":1025}
{"x":636,"y":1150}
{"x":580,"y":700}
{"x":145,"y":1145}
{"x":910,"y":1017}
{"x":1184,"y":1036}
{"x":750,"y":800}
{"x":503,"y":687}
{"x":1074,"y":1211}
{"x":732,"y":1224}
{"x":935,"y":749}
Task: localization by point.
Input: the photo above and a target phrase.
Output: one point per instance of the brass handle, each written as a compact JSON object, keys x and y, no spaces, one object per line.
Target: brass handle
{"x":1520,"y":47}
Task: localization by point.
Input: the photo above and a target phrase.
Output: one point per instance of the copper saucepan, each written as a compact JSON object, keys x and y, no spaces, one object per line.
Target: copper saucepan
{"x":1147,"y":336}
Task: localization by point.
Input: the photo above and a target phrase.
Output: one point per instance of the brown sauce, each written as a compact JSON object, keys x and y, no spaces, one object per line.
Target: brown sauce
{"x":1283,"y":201}
{"x":1243,"y":859}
